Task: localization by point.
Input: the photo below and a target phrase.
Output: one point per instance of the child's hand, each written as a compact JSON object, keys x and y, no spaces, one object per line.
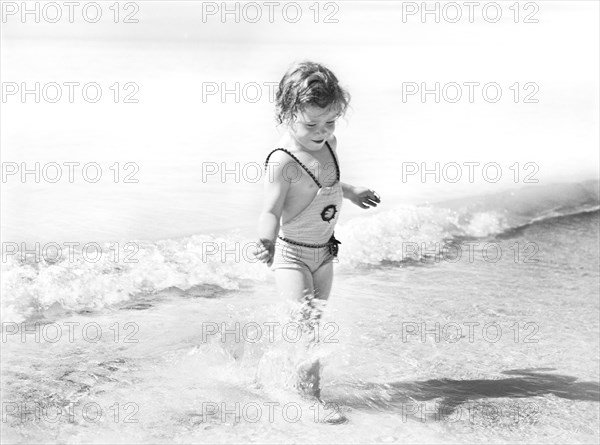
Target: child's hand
{"x":364,"y":197}
{"x":266,"y":251}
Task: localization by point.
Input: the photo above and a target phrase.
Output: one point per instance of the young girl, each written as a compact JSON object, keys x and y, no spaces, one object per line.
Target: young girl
{"x":303,"y":192}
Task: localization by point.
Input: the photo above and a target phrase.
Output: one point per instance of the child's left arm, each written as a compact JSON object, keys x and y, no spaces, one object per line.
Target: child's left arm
{"x":361,"y":196}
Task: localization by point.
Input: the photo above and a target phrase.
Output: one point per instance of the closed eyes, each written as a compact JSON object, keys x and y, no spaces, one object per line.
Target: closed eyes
{"x":313,"y":125}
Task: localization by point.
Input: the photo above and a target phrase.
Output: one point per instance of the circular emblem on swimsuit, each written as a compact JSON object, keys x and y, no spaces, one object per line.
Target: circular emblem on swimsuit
{"x":328,"y":213}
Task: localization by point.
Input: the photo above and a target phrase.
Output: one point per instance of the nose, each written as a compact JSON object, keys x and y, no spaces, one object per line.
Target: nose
{"x":322,"y":131}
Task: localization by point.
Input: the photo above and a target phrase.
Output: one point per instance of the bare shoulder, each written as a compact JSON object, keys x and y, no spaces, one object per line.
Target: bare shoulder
{"x":279,"y":157}
{"x":278,"y":161}
{"x":333,"y":143}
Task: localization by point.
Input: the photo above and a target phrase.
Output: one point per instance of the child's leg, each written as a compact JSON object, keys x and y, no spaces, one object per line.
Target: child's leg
{"x":297,"y":284}
{"x":323,"y":280}
{"x":322,"y":283}
{"x":301,"y":285}
{"x":294,"y":283}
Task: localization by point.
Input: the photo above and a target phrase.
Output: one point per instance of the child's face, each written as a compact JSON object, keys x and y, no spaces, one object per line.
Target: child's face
{"x":313,"y":126}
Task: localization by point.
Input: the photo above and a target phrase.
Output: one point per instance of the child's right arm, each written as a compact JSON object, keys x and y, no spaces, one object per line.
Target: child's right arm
{"x":276,"y":187}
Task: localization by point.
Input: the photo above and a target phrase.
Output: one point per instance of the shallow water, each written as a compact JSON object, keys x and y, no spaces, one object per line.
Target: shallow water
{"x":513,"y":356}
{"x":417,"y":344}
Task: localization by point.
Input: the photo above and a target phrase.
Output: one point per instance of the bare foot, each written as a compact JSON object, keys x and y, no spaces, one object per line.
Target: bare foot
{"x":330,"y":413}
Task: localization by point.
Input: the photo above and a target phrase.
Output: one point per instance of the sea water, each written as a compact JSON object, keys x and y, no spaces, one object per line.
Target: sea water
{"x":483,"y":331}
{"x":462,"y":312}
{"x":157,"y":156}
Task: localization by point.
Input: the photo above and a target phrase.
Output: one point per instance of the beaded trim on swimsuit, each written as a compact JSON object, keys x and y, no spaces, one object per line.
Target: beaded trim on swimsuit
{"x":287,"y":240}
{"x":337,"y":170}
{"x":337,"y":167}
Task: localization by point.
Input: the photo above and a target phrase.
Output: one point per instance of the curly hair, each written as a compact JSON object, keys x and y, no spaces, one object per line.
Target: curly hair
{"x":308,"y":83}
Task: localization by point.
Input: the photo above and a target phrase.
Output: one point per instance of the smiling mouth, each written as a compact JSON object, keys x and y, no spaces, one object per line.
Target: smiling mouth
{"x":319,"y":141}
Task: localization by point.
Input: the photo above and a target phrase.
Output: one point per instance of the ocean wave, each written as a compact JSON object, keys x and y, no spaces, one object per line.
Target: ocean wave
{"x":35,"y":286}
{"x":79,"y":281}
{"x":409,"y":233}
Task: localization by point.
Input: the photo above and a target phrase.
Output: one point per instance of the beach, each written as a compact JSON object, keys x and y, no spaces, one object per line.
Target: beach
{"x":464,"y":308}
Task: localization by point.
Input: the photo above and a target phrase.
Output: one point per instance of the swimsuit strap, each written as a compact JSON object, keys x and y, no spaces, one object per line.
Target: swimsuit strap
{"x":295,"y":159}
{"x":337,"y":167}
